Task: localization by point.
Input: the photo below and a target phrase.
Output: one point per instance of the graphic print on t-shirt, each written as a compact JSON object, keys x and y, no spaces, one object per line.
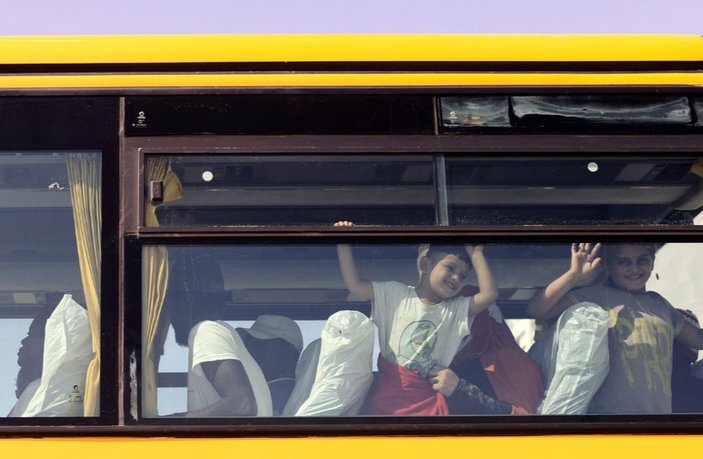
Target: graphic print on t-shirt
{"x":417,"y":346}
{"x":646,"y":347}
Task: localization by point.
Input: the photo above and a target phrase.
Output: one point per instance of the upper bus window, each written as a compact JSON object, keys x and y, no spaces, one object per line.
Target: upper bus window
{"x":50,"y":205}
{"x":576,"y":112}
{"x":467,"y":112}
{"x":589,"y":109}
{"x":289,"y":190}
{"x":317,"y":190}
{"x":569,"y":191}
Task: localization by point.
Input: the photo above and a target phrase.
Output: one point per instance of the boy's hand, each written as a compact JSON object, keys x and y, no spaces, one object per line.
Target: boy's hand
{"x":584,"y":261}
{"x":344,"y":223}
{"x":472,"y":250}
{"x":443,"y":380}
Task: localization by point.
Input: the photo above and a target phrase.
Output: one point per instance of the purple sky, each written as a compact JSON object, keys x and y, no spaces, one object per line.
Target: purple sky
{"x":42,"y":17}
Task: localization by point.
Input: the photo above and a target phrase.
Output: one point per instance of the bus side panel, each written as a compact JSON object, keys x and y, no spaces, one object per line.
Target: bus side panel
{"x":543,"y":447}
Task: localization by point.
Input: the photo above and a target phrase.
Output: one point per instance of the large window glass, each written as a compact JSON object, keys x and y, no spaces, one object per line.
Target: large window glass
{"x":574,"y":190}
{"x":305,"y":190}
{"x":50,"y":264}
{"x":308,"y":329}
{"x":289,"y":190}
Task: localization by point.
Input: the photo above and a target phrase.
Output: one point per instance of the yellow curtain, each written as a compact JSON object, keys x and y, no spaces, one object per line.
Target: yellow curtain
{"x":697,"y":167}
{"x":85,"y":177}
{"x":154,"y":285}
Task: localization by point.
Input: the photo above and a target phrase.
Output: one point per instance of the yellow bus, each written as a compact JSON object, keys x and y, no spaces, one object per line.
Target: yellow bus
{"x":170,"y":243}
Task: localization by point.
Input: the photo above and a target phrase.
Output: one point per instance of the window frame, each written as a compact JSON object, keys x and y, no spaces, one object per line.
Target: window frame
{"x":96,"y":119}
{"x":441,"y":147}
{"x":405,"y":425}
{"x":137,"y":236}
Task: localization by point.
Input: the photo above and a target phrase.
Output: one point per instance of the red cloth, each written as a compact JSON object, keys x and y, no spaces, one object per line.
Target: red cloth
{"x":399,"y":391}
{"x":514,"y":376}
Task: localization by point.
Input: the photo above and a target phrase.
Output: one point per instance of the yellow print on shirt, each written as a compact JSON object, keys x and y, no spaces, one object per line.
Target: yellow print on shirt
{"x":646,"y":345}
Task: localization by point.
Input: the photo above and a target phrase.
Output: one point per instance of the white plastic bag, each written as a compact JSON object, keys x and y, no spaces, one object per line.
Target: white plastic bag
{"x":67,"y":353}
{"x":574,"y":358}
{"x":344,"y":371}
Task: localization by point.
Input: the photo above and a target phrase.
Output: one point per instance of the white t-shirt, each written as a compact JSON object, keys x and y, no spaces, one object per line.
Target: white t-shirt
{"x":413,"y":334}
{"x":211,"y":341}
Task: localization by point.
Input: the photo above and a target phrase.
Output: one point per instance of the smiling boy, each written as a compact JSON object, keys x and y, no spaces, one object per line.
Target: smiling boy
{"x":420,"y":327}
{"x":641,"y":329}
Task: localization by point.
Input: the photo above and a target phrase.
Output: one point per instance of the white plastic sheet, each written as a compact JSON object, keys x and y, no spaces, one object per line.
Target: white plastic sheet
{"x":67,"y":353}
{"x":344,"y":372}
{"x":574,"y":359}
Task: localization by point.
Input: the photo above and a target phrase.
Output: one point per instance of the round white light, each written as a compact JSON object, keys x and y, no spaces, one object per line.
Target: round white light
{"x":592,"y":166}
{"x":208,"y":176}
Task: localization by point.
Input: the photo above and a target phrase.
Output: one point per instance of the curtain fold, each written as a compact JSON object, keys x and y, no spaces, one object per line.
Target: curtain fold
{"x":154,"y":286}
{"x":85,"y":178}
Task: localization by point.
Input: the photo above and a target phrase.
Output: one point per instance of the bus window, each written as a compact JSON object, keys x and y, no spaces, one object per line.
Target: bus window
{"x":577,"y":112}
{"x":589,"y":109}
{"x":573,"y":190}
{"x":272,"y":189}
{"x":306,"y":190}
{"x":50,"y":206}
{"x":224,"y":300}
{"x":475,"y":112}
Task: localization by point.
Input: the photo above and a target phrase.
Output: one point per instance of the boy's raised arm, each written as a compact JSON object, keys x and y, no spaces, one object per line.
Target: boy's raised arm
{"x":690,"y":336}
{"x":550,"y":302}
{"x":488,"y":291}
{"x":355,"y":284}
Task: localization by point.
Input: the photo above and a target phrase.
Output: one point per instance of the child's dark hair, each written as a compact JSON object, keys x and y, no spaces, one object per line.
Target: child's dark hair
{"x":459,"y":251}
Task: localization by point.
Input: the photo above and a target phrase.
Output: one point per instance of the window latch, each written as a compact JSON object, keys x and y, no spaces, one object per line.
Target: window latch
{"x":156,"y":191}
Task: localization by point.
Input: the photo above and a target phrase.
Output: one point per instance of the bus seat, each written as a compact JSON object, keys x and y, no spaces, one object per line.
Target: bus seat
{"x":344,"y":369}
{"x":305,"y":372}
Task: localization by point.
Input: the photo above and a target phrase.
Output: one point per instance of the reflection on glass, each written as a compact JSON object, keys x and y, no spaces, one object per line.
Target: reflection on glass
{"x":472,"y":112}
{"x":601,"y":109}
{"x":278,"y":190}
{"x":577,"y":111}
{"x":245,"y":314}
{"x":290,"y":190}
{"x":573,"y":191}
{"x":44,"y":302}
